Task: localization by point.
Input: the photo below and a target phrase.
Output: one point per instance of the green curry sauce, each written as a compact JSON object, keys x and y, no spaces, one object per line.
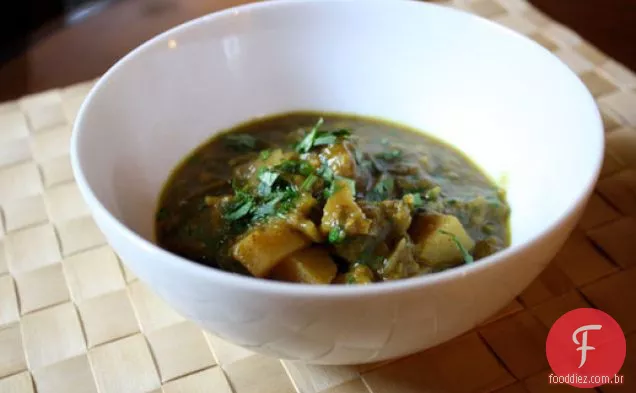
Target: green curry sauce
{"x":327,"y":198}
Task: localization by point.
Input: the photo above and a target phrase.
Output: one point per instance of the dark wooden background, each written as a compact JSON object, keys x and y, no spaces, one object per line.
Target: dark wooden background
{"x":46,"y":51}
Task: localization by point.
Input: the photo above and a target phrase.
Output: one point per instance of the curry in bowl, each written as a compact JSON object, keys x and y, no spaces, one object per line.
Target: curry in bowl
{"x":325,"y":198}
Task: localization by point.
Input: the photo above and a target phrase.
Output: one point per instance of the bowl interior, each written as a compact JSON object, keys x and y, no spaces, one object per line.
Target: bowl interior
{"x":506,"y":102}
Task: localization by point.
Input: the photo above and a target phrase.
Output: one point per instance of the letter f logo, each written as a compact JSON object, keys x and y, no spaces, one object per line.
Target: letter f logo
{"x":584,"y":347}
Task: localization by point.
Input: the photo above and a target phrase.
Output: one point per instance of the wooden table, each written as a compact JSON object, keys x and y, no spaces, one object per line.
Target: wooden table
{"x":86,"y":49}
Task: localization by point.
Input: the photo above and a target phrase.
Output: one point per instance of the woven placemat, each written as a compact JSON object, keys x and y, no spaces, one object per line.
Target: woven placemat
{"x":73,"y":319}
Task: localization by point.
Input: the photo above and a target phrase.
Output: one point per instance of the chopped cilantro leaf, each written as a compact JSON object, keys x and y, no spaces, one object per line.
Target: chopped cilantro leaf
{"x":308,"y":141}
{"x":336,"y":235}
{"x":362,"y":161}
{"x":390,"y":155}
{"x":325,"y":140}
{"x":417,"y":200}
{"x":382,"y":189}
{"x":325,"y":172}
{"x":433,"y":193}
{"x":264,"y":154}
{"x":343,"y":132}
{"x":240,"y":207}
{"x":295,"y":167}
{"x":290,"y":195}
{"x":488,"y":228}
{"x":309,"y":182}
{"x":267,"y":178}
{"x":305,"y":168}
{"x":288,"y":166}
{"x":268,"y":208}
{"x":320,"y":138}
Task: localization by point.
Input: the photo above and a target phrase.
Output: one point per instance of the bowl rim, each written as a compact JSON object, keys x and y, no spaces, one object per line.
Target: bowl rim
{"x":308,"y":290}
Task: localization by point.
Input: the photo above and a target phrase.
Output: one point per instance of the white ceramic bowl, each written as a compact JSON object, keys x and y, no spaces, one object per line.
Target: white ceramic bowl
{"x":505,"y":101}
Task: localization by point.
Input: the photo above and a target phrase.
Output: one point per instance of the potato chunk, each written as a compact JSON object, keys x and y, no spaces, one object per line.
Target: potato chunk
{"x":311,"y":265}
{"x":298,"y":218}
{"x":434,"y":236}
{"x":401,"y":263}
{"x":360,"y":274}
{"x":341,"y":211}
{"x":267,"y":245}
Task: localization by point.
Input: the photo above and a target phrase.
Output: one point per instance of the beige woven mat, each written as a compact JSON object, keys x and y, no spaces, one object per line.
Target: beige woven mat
{"x":73,"y":319}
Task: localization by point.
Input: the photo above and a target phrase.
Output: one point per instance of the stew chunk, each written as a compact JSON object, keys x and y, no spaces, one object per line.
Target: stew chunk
{"x":311,"y":265}
{"x":265,"y":246}
{"x":440,"y":239}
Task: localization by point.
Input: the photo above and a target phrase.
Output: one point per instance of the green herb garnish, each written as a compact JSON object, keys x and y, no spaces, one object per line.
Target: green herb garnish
{"x":295,"y":167}
{"x":290,"y":195}
{"x":342,"y":133}
{"x":325,"y":140}
{"x":239,"y":207}
{"x":336,"y":235}
{"x":278,"y":203}
{"x":305,"y":168}
{"x":382,"y":189}
{"x":308,"y":141}
{"x":309,"y":182}
{"x":245,"y":208}
{"x":362,"y":161}
{"x":488,"y":228}
{"x":264,"y":154}
{"x":267,"y":178}
{"x":288,"y":166}
{"x":240,"y":142}
{"x":465,"y":254}
{"x":325,"y":172}
{"x":329,"y":138}
{"x":391,"y":155}
{"x":268,"y":208}
{"x":320,"y":138}
{"x":433,"y":193}
{"x":417,"y":200}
